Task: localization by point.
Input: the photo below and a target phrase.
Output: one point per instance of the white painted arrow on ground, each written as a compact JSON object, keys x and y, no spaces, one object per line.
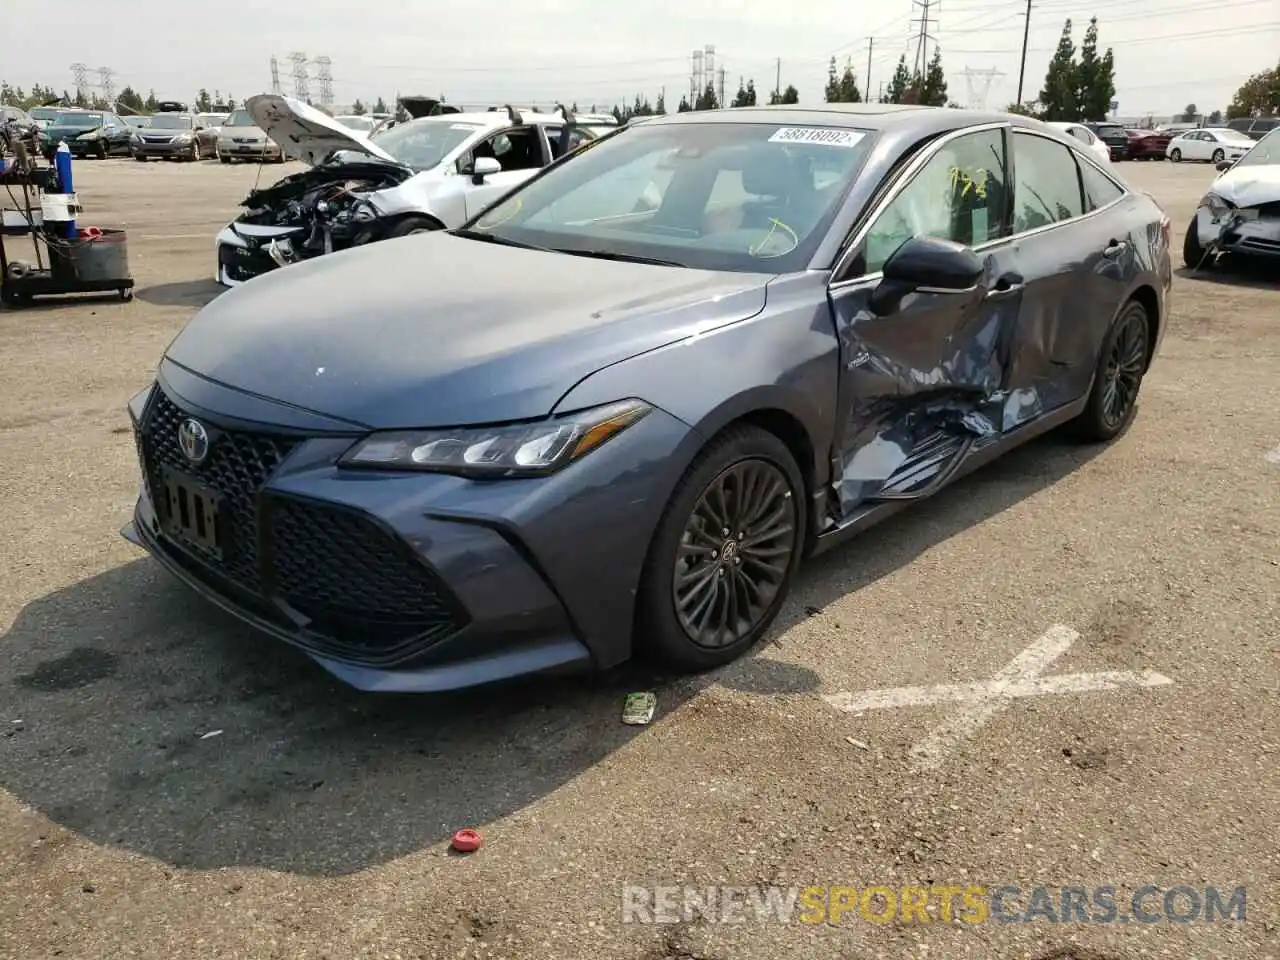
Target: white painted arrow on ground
{"x":982,"y":700}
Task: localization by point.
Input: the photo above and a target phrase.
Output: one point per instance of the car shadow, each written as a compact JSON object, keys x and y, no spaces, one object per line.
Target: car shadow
{"x":141,"y":717}
{"x":1236,"y":272}
{"x":895,"y":542}
{"x":185,"y":293}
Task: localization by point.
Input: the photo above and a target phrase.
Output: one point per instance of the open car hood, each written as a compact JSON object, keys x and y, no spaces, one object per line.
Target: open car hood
{"x":308,"y":133}
{"x":1249,"y":186}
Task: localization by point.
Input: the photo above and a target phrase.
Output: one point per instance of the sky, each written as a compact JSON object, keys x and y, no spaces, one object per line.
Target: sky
{"x":1169,"y":53}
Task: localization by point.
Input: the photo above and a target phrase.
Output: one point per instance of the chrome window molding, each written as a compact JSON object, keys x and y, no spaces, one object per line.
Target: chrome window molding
{"x":908,"y":174}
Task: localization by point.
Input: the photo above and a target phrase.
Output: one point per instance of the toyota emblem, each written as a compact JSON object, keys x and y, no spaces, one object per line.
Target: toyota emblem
{"x":193,"y":440}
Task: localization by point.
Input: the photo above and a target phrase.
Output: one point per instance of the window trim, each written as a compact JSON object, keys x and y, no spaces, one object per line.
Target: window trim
{"x":910,"y":171}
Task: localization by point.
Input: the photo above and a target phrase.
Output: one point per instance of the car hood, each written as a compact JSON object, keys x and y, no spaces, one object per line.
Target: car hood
{"x":305,"y":131}
{"x":72,"y":130}
{"x":242,"y":132}
{"x":1249,"y":186}
{"x":438,"y":330}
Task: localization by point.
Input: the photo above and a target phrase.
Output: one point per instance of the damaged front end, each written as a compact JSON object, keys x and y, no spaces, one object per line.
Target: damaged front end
{"x":308,"y":214}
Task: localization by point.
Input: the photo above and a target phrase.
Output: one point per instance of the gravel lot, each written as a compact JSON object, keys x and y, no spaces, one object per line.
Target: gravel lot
{"x":315,"y":824}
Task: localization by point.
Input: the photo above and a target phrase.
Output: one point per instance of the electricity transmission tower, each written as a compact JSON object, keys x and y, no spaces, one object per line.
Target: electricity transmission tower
{"x":275,"y":75}
{"x":324,"y":74}
{"x":301,"y":85}
{"x":979,"y":84}
{"x":80,"y":78}
{"x":696,"y":82}
{"x":106,"y":77}
{"x":926,"y":21}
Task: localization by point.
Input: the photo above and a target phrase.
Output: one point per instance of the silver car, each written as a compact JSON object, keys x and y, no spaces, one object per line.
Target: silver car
{"x":242,"y":139}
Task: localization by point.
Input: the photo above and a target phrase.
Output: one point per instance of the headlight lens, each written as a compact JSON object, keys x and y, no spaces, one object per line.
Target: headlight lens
{"x":91,"y":135}
{"x":511,"y":450}
{"x":1218,"y":207}
{"x":182,"y":138}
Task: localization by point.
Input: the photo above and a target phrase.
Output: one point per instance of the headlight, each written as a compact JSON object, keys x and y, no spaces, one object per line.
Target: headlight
{"x":91,"y":135}
{"x":182,"y":138}
{"x":513,"y":450}
{"x":1218,"y":207}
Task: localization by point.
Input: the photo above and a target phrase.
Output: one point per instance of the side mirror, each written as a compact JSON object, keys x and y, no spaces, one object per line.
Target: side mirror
{"x":483,"y":167}
{"x":926,"y":265}
{"x":1222,"y":166}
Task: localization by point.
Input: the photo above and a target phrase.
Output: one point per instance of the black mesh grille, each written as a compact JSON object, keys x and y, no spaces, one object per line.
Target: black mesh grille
{"x":237,"y":466}
{"x":242,"y":264}
{"x":356,"y":582}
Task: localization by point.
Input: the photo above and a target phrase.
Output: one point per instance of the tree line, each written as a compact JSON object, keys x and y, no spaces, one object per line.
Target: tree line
{"x":128,"y":100}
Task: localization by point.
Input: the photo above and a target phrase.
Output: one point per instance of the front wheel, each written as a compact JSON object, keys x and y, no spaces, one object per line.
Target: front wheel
{"x":1122,"y":363}
{"x":1176,"y":156}
{"x":195,"y":151}
{"x":223,"y":158}
{"x":724,"y":553}
{"x":1218,"y":156}
{"x":1192,"y":251}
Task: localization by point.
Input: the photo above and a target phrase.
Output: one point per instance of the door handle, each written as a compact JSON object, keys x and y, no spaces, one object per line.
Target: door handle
{"x":1114,"y":249}
{"x":1008,"y":284}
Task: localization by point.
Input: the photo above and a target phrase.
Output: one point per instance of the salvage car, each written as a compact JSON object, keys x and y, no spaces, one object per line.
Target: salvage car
{"x":1209,"y":145}
{"x":1148,"y":144}
{"x":583,"y":426}
{"x":240,"y":138}
{"x":172,"y":136}
{"x":87,"y":133}
{"x":420,"y":175}
{"x":1240,"y":215}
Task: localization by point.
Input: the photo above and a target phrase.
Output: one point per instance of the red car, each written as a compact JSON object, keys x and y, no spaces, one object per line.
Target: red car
{"x":1147,"y":144}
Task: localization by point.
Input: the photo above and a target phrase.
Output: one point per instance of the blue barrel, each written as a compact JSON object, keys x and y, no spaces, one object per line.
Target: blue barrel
{"x":62,"y":163}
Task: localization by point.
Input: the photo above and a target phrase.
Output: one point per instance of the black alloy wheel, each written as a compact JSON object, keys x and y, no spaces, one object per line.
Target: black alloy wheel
{"x":724,"y":552}
{"x":734,"y":554}
{"x":1113,"y":401}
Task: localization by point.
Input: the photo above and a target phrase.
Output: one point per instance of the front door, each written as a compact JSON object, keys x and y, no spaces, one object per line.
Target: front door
{"x":522,"y":153}
{"x":923,"y":385}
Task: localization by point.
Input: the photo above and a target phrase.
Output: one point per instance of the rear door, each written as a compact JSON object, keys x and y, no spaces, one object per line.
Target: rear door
{"x":924,"y":385}
{"x":1073,"y":267}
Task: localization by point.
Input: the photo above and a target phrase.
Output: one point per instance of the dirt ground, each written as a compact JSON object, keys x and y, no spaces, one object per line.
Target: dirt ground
{"x":315,"y":822}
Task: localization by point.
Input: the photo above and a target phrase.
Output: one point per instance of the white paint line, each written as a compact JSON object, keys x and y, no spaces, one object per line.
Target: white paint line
{"x":1272,"y":456}
{"x":983,"y":699}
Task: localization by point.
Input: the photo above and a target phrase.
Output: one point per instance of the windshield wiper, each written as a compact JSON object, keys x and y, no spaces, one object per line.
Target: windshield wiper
{"x":494,"y":238}
{"x":623,"y":257}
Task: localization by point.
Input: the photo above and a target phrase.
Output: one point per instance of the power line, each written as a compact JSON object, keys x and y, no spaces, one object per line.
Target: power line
{"x":1197,"y":34}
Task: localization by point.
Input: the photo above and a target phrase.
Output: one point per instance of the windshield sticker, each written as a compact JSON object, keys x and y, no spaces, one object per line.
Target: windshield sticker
{"x":826,"y":136}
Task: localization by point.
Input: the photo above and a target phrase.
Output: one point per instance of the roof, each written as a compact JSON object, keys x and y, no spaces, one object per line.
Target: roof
{"x":493,"y":118}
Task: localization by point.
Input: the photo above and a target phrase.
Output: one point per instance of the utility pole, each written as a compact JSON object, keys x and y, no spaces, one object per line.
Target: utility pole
{"x":922,"y":40}
{"x":1022,"y":69}
{"x":777,"y":79}
{"x":866,"y":81}
{"x":722,"y":72}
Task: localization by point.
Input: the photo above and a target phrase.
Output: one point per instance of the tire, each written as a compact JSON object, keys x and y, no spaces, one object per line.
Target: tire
{"x":223,"y":158}
{"x":195,"y":152}
{"x":1218,"y":156}
{"x":411,"y":225}
{"x":1192,"y":252}
{"x":1176,"y":156}
{"x":1122,"y":363}
{"x":102,"y":151}
{"x":140,"y":158}
{"x":684,"y":545}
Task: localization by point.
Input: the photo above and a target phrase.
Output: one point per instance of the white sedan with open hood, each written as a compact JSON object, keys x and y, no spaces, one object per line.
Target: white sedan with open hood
{"x":1241,"y":212}
{"x":426,"y":174}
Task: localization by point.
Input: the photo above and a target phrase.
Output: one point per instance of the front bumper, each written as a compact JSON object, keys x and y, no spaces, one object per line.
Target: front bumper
{"x":1234,"y":234}
{"x":248,"y":151}
{"x":405,"y":582}
{"x":238,"y":261}
{"x":1118,"y":151}
{"x":161,"y":149}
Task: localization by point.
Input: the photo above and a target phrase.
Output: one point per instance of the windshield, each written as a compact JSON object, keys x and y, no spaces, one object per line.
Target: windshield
{"x":241,"y":118}
{"x":171,"y":121}
{"x":45,"y":113}
{"x":720,"y":196}
{"x":422,"y":144}
{"x":71,"y":119}
{"x":1266,"y":152}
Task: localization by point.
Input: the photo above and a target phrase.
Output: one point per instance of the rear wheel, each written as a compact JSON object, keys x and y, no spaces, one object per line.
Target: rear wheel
{"x":724,"y":553}
{"x":1122,"y":363}
{"x":1218,"y":156}
{"x":1176,"y":156}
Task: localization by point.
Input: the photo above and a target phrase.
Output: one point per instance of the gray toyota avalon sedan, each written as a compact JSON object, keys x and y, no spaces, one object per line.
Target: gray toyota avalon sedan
{"x":611,"y":413}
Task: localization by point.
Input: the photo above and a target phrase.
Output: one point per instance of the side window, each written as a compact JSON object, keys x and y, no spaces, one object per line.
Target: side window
{"x":958,"y":195}
{"x":516,"y":149}
{"x":1081,"y":134}
{"x":1046,"y":185}
{"x":1099,"y":189}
